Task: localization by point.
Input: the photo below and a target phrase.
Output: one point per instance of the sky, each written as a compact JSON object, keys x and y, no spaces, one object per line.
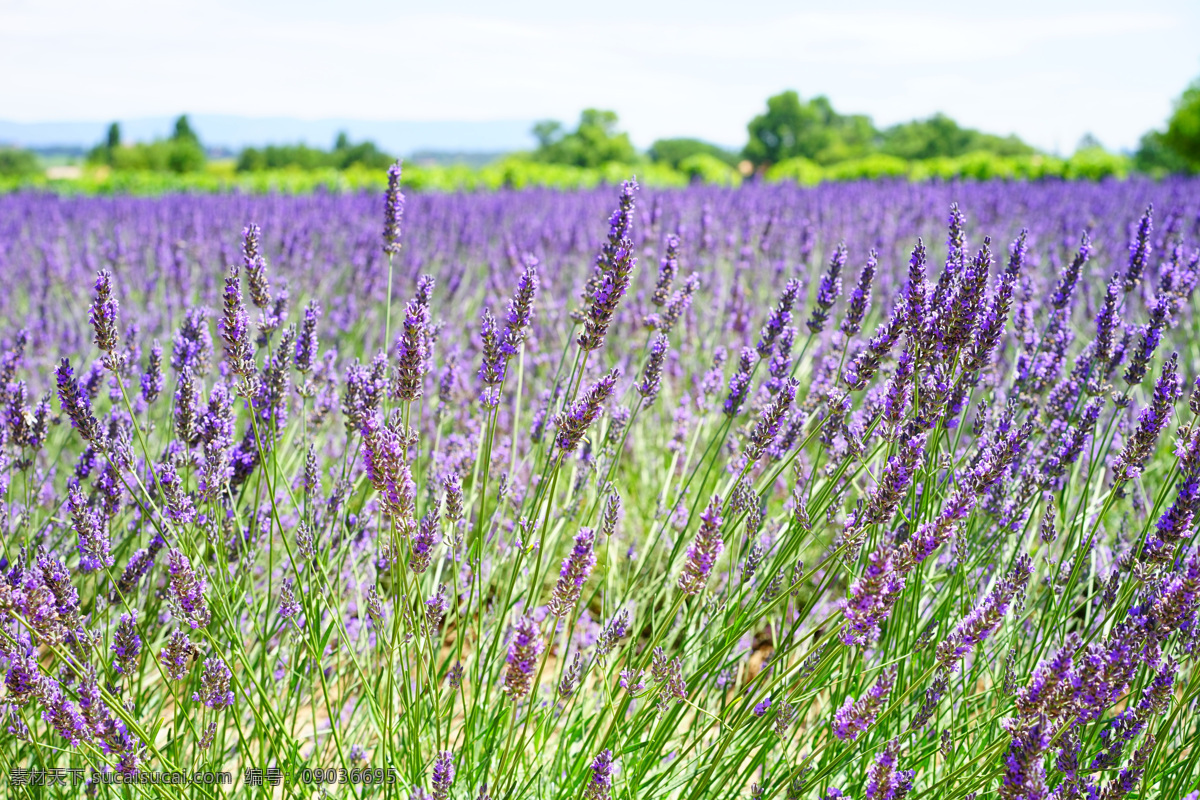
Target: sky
{"x":1047,"y":71}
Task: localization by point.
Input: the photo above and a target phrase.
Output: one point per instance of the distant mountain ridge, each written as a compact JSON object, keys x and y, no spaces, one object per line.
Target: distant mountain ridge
{"x":234,"y":132}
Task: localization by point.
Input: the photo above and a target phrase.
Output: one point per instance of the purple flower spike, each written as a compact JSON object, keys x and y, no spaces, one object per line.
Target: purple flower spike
{"x":614,"y":267}
{"x":214,"y":685}
{"x":702,"y":554}
{"x":443,"y":775}
{"x":523,"y":652}
{"x":600,"y":786}
{"x":573,"y":423}
{"x":574,"y":574}
{"x":393,"y":211}
{"x":854,"y":718}
{"x":884,"y":781}
{"x":103,"y":315}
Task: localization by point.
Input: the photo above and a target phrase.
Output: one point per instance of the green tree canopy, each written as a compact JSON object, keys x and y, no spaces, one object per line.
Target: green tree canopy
{"x":940,"y":136}
{"x":675,"y":151}
{"x":345,"y":154}
{"x":17,"y":163}
{"x":183,"y":131}
{"x":792,"y":128}
{"x":595,"y":142}
{"x":113,"y":138}
{"x":1182,"y":136}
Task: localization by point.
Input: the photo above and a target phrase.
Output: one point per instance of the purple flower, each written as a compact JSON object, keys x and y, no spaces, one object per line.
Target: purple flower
{"x":983,"y":619}
{"x":574,"y":574}
{"x":214,"y":685}
{"x":1070,"y":275}
{"x":523,"y":652}
{"x":617,"y":629}
{"x":443,"y":775}
{"x":306,"y":341}
{"x":152,"y":380}
{"x":393,"y":212}
{"x":127,"y":644}
{"x":761,"y":708}
{"x":186,"y":598}
{"x":1151,"y":421}
{"x":828,"y":291}
{"x":739,"y":384}
{"x":103,"y":315}
{"x":574,"y":422}
{"x":703,"y":552}
{"x":667,"y":674}
{"x":600,"y":786}
{"x":884,"y":781}
{"x":666,"y":271}
{"x":614,"y":267}
{"x":520,"y":308}
{"x":256,"y":266}
{"x":768,"y":425}
{"x":779,"y":319}
{"x":652,"y":373}
{"x":870,"y":600}
{"x":90,"y":527}
{"x":76,"y":404}
{"x":176,"y":657}
{"x":1025,"y":770}
{"x":423,"y":542}
{"x":1140,"y":250}
{"x":412,"y":355}
{"x":235,"y":326}
{"x":854,"y":718}
{"x":860,"y":298}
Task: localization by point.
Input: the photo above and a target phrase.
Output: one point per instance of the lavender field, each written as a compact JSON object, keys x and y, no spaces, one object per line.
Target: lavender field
{"x":869,"y":490}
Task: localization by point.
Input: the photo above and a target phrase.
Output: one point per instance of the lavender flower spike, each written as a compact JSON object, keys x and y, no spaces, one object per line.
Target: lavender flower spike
{"x":523,"y":653}
{"x":652,"y":374}
{"x":393,"y":211}
{"x":884,"y":781}
{"x":214,"y":688}
{"x":854,"y":718}
{"x":235,"y":326}
{"x":1151,"y":422}
{"x":830,"y":288}
{"x":186,"y":598}
{"x":702,"y":555}
{"x":600,"y":786}
{"x":256,"y":266}
{"x":574,"y":574}
{"x":76,"y":404}
{"x":443,"y":775}
{"x":614,"y":267}
{"x":574,"y":422}
{"x":103,"y":316}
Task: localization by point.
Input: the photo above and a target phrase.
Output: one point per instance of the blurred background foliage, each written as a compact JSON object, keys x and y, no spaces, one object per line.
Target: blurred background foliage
{"x":794,"y":139}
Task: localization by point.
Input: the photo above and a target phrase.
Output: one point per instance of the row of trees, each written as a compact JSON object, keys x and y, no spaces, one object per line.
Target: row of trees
{"x":792,"y":132}
{"x":792,"y":128}
{"x":182,"y":152}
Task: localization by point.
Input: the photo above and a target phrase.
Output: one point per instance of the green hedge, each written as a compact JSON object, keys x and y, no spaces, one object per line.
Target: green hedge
{"x":516,"y":172}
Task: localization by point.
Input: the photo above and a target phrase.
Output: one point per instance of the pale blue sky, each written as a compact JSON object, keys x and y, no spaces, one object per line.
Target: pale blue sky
{"x":1048,"y":71}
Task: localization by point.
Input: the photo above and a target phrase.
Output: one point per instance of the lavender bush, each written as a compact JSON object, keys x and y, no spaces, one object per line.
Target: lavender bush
{"x":870,"y":490}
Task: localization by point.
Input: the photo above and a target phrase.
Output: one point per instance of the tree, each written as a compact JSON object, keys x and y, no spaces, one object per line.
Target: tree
{"x":113,"y":140}
{"x":17,"y":163}
{"x":595,"y":142}
{"x":792,"y":128}
{"x":675,"y":151}
{"x":940,"y":136}
{"x":1183,"y":129}
{"x":183,"y":131}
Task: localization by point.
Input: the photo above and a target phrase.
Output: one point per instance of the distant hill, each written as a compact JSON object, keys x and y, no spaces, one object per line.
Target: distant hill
{"x":224,"y":131}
